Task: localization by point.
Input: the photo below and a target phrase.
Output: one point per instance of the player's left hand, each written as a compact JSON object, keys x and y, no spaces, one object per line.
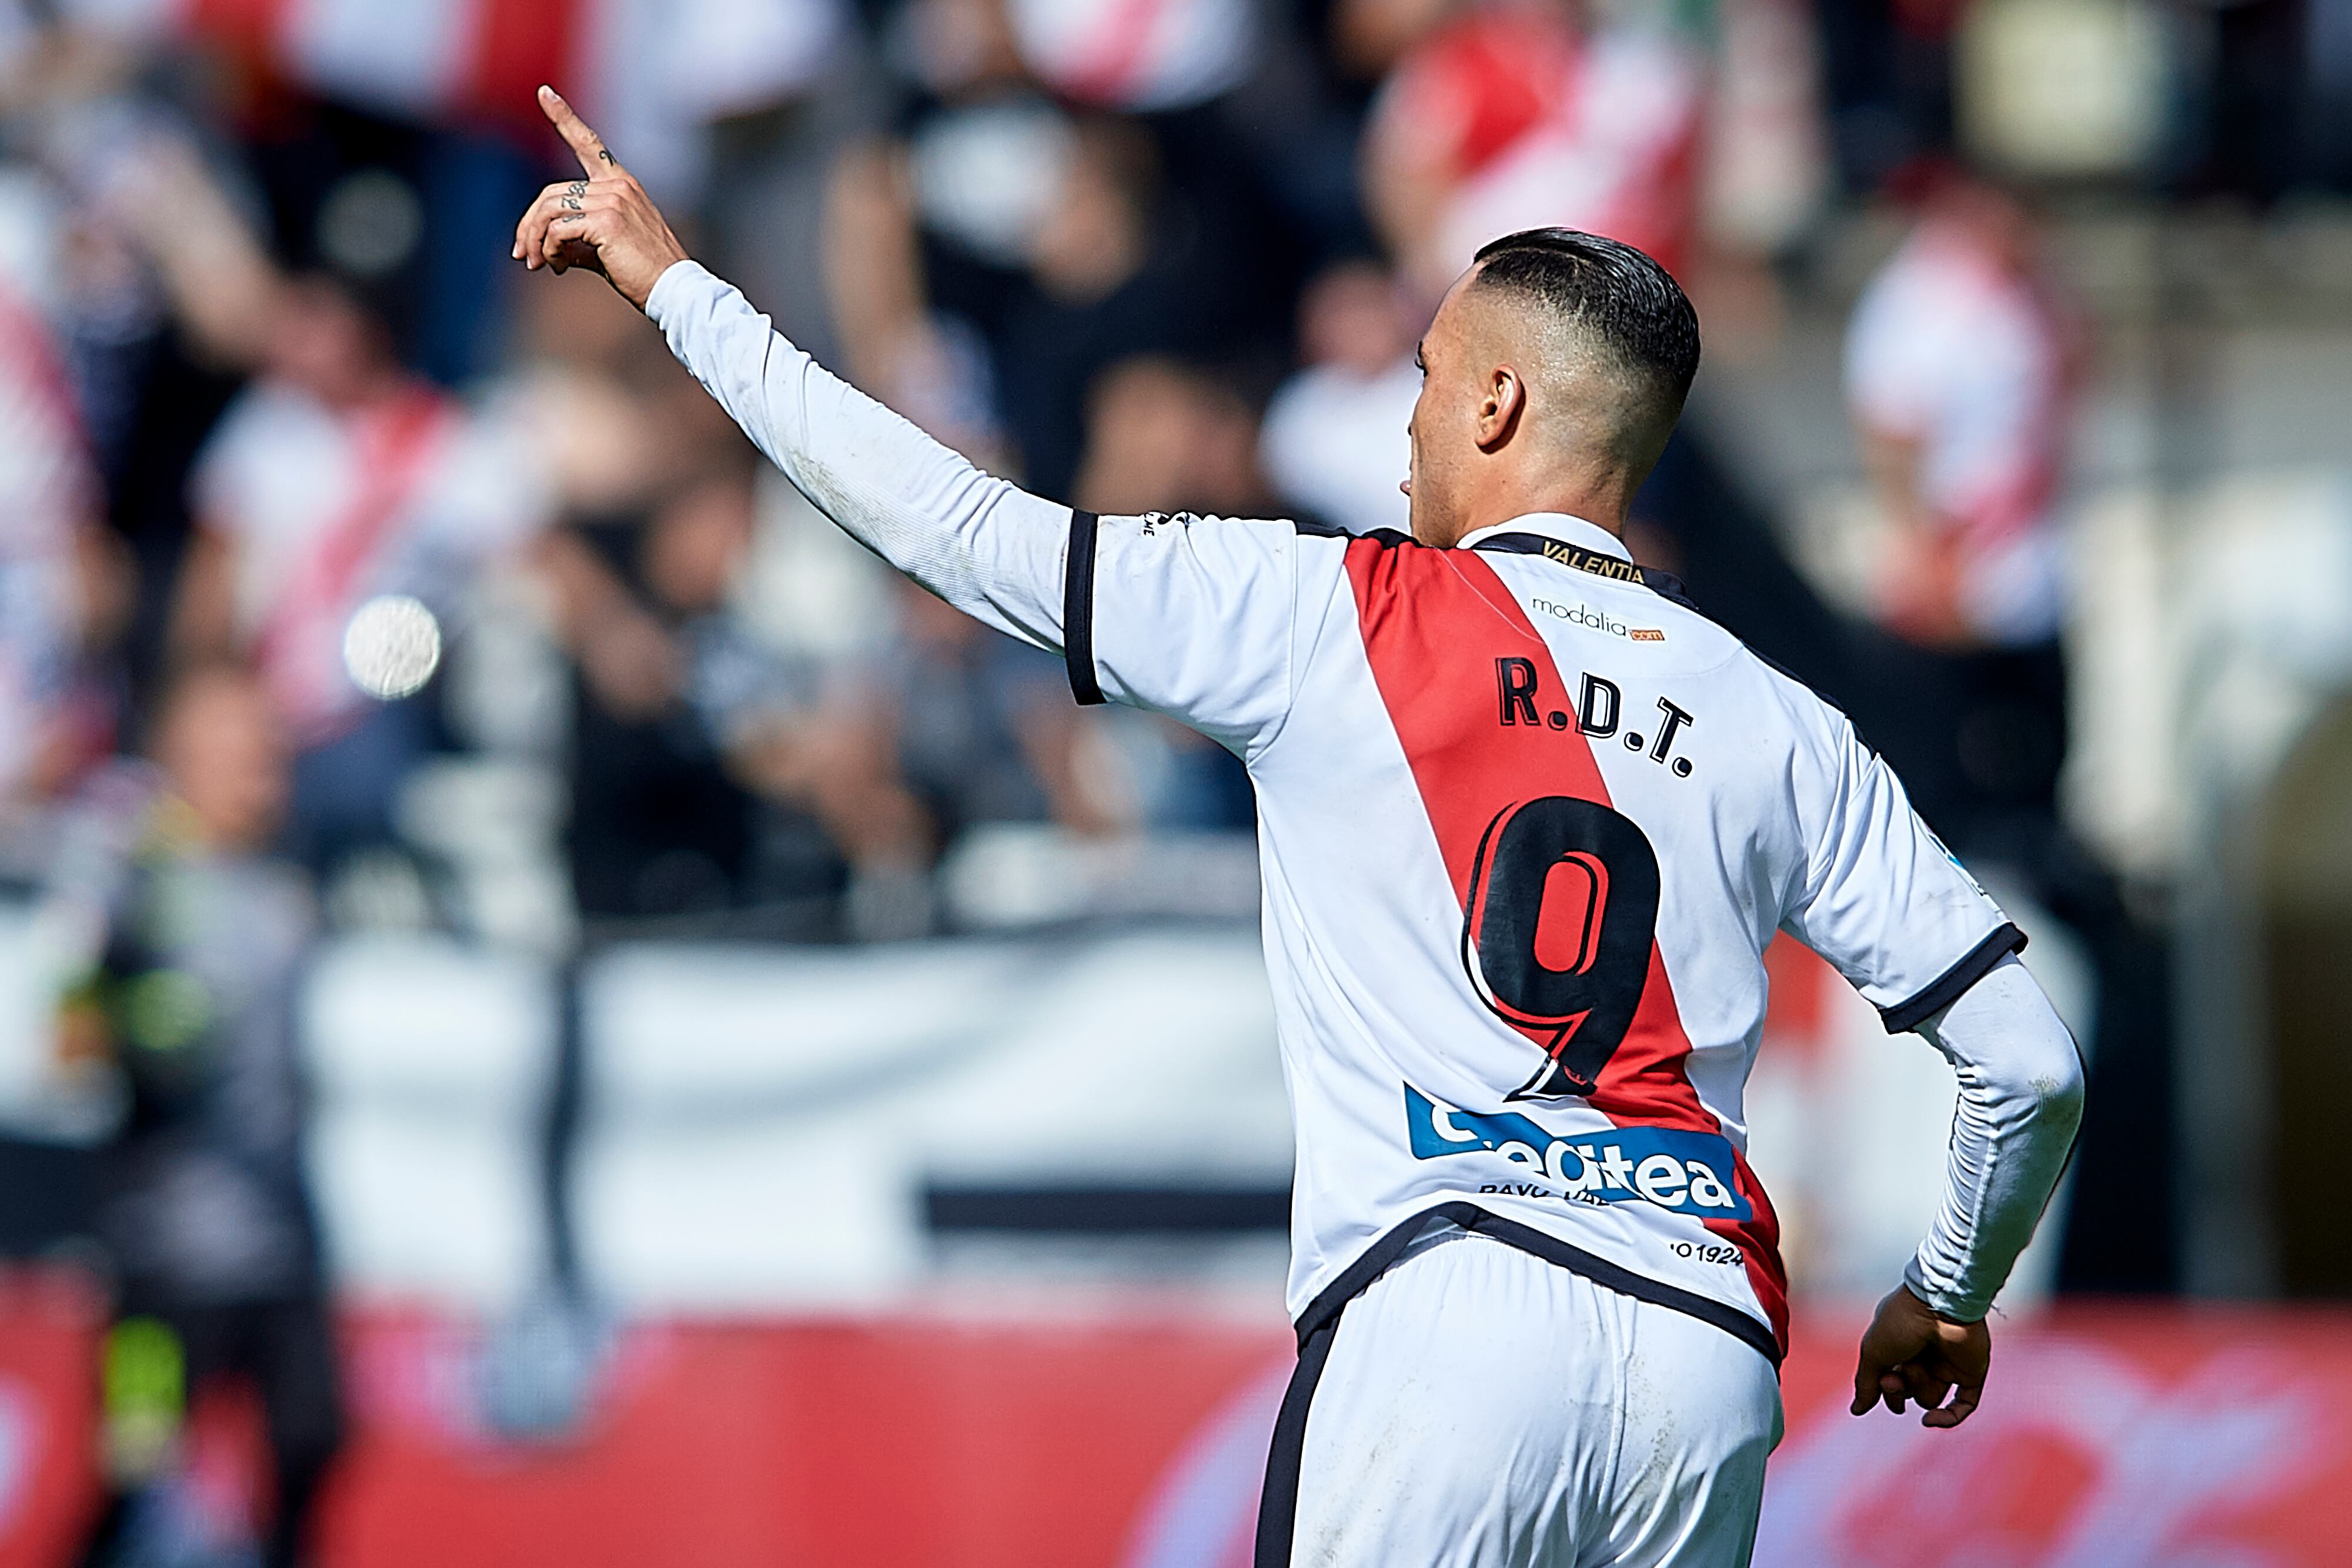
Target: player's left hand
{"x":605,"y":221}
{"x":1910,"y":1354}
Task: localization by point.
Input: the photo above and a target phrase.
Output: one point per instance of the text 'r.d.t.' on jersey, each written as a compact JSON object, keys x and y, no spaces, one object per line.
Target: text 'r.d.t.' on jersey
{"x":1527,"y":822}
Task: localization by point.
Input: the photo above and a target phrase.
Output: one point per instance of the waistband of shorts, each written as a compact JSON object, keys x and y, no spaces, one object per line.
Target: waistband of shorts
{"x":1378,"y":1257}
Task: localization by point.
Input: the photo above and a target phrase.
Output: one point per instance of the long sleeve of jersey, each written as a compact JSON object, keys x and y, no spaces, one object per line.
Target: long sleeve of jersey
{"x":2021,"y":1100}
{"x":1193,"y":617}
{"x":984,"y":545}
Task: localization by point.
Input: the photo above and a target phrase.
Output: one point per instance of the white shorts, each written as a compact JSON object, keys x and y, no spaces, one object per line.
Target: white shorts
{"x":1484,"y":1409}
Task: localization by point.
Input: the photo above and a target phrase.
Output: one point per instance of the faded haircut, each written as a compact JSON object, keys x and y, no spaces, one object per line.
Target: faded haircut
{"x":1629,"y":307}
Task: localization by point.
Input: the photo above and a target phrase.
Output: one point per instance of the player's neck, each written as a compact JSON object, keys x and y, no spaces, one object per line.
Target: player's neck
{"x":1604,"y":501}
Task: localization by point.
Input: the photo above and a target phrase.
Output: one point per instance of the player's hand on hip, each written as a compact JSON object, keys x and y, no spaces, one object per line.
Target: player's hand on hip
{"x":1909,"y":1352}
{"x":604,"y":222}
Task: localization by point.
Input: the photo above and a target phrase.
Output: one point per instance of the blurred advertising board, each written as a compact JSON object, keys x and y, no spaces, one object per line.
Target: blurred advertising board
{"x":1133,"y":1437}
{"x":722,"y":1083}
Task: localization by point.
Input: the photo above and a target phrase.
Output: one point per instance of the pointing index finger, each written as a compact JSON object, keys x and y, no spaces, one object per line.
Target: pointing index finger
{"x":586,"y":145}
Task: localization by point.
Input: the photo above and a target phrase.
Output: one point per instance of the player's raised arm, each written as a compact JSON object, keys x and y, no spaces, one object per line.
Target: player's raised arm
{"x":980,"y":543}
{"x":1195,"y":618}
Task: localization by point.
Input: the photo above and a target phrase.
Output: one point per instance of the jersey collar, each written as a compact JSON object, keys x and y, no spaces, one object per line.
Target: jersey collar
{"x":1573,"y":542}
{"x":1559,"y":526}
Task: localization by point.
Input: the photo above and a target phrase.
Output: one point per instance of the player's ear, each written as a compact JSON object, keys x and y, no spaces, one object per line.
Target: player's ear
{"x":1504,"y":399}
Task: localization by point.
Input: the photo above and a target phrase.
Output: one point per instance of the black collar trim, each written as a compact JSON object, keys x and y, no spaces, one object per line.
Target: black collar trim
{"x":1617,"y":569}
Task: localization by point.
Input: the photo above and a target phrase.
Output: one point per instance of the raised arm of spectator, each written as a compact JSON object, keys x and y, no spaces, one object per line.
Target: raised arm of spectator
{"x":1194,"y":617}
{"x":873,"y":262}
{"x":203,"y":623}
{"x":223,"y":286}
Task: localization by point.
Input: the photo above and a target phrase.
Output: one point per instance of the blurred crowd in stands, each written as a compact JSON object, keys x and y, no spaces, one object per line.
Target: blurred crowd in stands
{"x":262,"y":360}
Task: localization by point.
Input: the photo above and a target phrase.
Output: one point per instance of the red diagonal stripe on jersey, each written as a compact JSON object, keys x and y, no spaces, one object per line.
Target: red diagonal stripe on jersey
{"x":1433,"y":623}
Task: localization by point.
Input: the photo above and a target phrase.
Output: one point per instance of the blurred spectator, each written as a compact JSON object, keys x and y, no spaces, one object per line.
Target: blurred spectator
{"x":1334,"y":442}
{"x":981,"y":727}
{"x":1169,"y":54}
{"x":63,"y":581}
{"x":1239,"y":107}
{"x":1056,"y":239}
{"x":1765,"y":156}
{"x":69,"y":264}
{"x":990,"y":259}
{"x":1368,"y":37}
{"x":195,"y":939}
{"x":954,"y":726}
{"x":675,"y":704}
{"x":675,"y":688}
{"x":335,"y":478}
{"x":1164,"y":436}
{"x":1959,"y":371}
{"x":1510,"y":115}
{"x":775,"y":89}
{"x":1888,"y":79}
{"x":655,"y":72}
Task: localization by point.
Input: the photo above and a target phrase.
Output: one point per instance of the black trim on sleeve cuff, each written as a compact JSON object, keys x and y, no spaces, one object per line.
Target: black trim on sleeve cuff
{"x":1949,"y":987}
{"x":1078,"y":611}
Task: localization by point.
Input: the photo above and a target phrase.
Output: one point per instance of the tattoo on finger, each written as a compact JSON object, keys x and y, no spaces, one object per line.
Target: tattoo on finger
{"x":606,"y":154}
{"x":577,"y":188}
{"x":571,"y":204}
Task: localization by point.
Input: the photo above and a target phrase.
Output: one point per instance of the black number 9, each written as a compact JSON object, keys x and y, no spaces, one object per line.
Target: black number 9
{"x":1557,"y":931}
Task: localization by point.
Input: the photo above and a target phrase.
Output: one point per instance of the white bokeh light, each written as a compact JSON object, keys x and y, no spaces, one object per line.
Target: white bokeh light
{"x":392,"y":647}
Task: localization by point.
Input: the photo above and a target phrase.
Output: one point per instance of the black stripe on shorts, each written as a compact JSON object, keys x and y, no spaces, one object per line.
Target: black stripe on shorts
{"x":1278,"y":1509}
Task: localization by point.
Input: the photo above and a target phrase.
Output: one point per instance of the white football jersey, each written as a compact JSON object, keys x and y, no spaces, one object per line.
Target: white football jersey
{"x":1527,"y":822}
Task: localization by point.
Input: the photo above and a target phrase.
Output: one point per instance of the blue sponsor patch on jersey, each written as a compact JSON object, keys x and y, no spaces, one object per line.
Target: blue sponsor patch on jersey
{"x":1690,"y":1173}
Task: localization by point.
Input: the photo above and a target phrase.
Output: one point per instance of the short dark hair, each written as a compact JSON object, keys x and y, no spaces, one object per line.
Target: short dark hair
{"x":1625,"y":299}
